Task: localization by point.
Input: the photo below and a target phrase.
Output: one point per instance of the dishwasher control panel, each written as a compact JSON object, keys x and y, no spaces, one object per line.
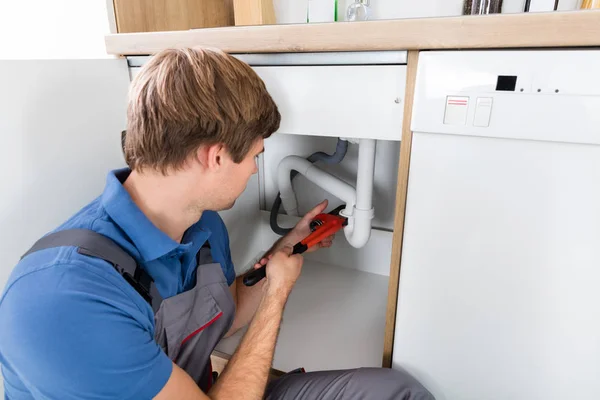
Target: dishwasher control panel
{"x":519,"y":94}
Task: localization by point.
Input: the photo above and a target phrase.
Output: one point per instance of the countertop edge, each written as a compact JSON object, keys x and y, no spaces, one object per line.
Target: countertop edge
{"x":526,"y":30}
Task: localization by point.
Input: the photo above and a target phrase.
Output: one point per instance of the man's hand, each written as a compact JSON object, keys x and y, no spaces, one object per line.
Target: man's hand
{"x":283,"y":269}
{"x":300,"y":231}
{"x":247,"y":298}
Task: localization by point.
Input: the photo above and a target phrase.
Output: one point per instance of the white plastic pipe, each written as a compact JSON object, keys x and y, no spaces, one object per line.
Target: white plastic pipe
{"x":358,"y":230}
{"x":314,"y":174}
{"x":359,"y":201}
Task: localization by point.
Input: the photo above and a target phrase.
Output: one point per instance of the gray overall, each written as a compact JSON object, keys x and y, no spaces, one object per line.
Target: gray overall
{"x":189,"y":326}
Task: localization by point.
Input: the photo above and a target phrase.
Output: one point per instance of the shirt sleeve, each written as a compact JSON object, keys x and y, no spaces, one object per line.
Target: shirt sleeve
{"x":75,"y":335}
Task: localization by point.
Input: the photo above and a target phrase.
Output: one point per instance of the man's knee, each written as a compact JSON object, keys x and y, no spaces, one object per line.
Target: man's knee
{"x":384,"y":383}
{"x":357,"y":384}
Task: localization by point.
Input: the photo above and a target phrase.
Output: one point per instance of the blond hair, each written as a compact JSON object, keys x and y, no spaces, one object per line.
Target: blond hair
{"x":185,"y":98}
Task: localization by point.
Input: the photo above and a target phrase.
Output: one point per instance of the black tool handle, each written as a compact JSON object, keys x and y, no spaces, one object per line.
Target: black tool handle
{"x":256,"y":275}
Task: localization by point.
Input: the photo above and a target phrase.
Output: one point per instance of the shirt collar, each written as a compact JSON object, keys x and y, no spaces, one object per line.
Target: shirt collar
{"x":150,"y":241}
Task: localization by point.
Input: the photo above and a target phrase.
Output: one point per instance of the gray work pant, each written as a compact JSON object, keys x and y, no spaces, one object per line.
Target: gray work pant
{"x":355,"y":384}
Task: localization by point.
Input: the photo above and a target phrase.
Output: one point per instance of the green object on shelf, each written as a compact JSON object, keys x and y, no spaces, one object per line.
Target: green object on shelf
{"x":319,"y":11}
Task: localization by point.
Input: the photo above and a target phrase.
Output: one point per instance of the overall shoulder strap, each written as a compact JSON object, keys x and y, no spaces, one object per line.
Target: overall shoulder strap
{"x":93,"y":244}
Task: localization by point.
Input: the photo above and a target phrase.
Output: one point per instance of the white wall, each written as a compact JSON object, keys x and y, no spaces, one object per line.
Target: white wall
{"x":40,"y":29}
{"x":60,"y":125}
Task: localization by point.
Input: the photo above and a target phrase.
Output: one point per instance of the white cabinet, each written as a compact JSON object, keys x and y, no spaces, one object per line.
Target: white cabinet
{"x":336,"y":315}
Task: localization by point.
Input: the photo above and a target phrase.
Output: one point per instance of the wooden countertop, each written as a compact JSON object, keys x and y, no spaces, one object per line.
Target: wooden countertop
{"x":527,"y":30}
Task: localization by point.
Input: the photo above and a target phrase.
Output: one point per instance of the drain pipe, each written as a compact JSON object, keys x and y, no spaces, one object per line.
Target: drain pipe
{"x":340,"y":152}
{"x":314,"y":174}
{"x":359,"y":201}
{"x":358,"y":230}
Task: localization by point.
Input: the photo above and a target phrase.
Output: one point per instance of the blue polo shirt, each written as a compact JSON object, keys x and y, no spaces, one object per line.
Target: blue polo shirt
{"x":71,"y":327}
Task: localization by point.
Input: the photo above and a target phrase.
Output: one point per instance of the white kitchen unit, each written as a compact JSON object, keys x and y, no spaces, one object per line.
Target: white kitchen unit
{"x":336,"y":315}
{"x":498,"y":295}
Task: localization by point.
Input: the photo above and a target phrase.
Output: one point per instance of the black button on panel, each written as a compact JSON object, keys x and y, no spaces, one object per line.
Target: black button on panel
{"x":506,"y":83}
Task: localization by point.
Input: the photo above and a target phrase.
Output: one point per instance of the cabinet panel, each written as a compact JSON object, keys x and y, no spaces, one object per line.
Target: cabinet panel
{"x":363,"y":101}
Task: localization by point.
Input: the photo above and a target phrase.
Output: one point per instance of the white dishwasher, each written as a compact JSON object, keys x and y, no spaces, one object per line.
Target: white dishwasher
{"x":499,"y":292}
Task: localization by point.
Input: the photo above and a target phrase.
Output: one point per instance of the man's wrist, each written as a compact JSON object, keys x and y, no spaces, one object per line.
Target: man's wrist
{"x":276,"y":294}
{"x":279,"y":244}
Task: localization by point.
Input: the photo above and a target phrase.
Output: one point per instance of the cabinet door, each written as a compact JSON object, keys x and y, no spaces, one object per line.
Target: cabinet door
{"x":357,"y":101}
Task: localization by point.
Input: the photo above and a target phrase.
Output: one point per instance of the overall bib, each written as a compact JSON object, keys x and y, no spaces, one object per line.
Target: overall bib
{"x":189,"y":325}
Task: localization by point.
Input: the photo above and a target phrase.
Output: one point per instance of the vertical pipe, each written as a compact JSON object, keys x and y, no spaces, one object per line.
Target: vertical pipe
{"x":365,"y":174}
{"x":358,"y":229}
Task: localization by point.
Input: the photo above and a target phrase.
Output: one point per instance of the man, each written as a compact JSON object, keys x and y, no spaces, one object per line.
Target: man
{"x":137,"y":316}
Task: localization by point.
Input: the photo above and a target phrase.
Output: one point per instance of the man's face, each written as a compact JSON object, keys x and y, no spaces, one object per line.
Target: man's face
{"x":234,"y":177}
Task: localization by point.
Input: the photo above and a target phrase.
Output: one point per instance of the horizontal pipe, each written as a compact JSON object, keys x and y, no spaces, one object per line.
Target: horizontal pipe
{"x":359,"y":201}
{"x":330,"y":183}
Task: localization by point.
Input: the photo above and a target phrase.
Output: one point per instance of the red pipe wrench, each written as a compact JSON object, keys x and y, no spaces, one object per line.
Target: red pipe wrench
{"x":321,"y":227}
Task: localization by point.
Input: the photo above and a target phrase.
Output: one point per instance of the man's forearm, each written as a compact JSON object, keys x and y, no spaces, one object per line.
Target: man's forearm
{"x":248,"y":299}
{"x":246,"y":374}
{"x":278,"y":244}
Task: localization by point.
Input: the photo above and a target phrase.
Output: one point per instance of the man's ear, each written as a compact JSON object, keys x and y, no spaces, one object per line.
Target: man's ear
{"x":214,"y":156}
